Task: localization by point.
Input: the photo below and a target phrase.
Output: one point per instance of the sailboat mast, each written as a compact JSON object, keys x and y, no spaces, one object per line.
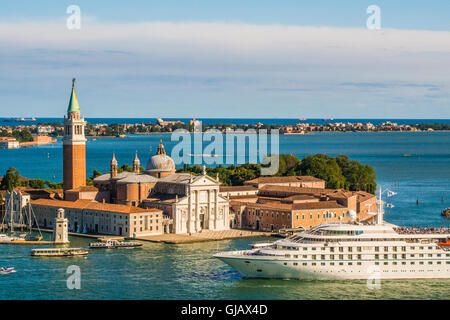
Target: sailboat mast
{"x":11,"y":214}
{"x":29,"y":216}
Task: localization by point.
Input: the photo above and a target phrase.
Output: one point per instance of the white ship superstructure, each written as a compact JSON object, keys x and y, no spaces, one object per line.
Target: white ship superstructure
{"x":350,"y":251}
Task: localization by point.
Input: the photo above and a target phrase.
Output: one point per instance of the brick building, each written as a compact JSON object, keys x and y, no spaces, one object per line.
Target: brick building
{"x":277,"y":207}
{"x":86,"y":216}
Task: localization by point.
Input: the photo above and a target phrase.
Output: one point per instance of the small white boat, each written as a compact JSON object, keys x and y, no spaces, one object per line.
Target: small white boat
{"x":58,"y":252}
{"x":7,"y":238}
{"x":114,"y":244}
{"x":7,"y":270}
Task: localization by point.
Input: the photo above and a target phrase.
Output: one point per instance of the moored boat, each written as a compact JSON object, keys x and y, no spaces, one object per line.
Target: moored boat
{"x":7,"y":270}
{"x":58,"y":252}
{"x":114,"y":244}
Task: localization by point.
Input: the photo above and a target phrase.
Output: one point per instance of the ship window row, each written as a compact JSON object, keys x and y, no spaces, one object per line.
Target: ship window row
{"x":359,"y":256}
{"x":360,"y":263}
{"x":412,"y":263}
{"x":336,"y":232}
{"x":361,"y":249}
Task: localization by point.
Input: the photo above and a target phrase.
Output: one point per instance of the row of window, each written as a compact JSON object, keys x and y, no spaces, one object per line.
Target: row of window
{"x":360,"y":263}
{"x":324,"y":215}
{"x":359,"y":257}
{"x":150,"y":221}
{"x":258,"y":213}
{"x":143,"y":229}
{"x":360,"y":249}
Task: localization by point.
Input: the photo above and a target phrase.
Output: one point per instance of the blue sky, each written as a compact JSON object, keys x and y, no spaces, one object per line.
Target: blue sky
{"x":253,"y":58}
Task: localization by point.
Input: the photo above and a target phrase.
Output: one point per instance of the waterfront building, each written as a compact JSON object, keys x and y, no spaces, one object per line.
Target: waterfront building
{"x":9,"y":143}
{"x":278,"y":207}
{"x":86,"y":216}
{"x":74,"y":145}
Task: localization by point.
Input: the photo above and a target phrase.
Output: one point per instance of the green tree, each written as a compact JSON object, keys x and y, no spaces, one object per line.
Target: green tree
{"x":287,"y":165}
{"x":35,"y":184}
{"x":52,"y":185}
{"x":22,"y":135}
{"x":96,"y":174}
{"x":11,"y":179}
{"x":323,"y":167}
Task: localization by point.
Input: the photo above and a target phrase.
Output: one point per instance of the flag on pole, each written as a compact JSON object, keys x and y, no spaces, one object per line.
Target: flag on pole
{"x":391,"y":193}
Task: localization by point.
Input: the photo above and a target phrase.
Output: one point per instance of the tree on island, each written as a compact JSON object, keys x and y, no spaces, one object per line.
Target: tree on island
{"x":10,"y":180}
{"x":20,"y":135}
{"x":338,"y":172}
{"x":323,"y":167}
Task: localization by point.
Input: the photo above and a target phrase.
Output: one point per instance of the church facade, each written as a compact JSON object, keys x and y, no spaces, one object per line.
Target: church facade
{"x":190,"y":203}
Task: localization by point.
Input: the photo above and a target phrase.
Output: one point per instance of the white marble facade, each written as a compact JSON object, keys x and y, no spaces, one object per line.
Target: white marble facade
{"x":197,"y":204}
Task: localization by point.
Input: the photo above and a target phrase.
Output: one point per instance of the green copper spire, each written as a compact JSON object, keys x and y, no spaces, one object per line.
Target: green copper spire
{"x":73,"y":103}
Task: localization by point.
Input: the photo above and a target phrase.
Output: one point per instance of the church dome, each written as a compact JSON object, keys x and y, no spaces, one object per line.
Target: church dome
{"x":160,"y":162}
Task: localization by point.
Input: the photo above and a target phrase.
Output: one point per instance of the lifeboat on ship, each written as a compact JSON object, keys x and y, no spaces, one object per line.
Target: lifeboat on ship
{"x":444,"y":244}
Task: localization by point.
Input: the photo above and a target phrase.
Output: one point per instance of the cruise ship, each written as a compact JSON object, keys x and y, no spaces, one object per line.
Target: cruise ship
{"x":353,"y":250}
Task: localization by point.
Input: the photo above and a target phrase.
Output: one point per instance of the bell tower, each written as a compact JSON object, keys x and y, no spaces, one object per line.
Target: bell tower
{"x":74,"y":145}
{"x":136,"y":164}
{"x":113,"y":166}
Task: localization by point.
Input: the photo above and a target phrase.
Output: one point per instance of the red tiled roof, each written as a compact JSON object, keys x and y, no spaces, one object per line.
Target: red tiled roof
{"x":298,"y":206}
{"x":237,"y":188}
{"x":84,"y":189}
{"x":91,"y":205}
{"x":294,"y":190}
{"x":284,"y":179}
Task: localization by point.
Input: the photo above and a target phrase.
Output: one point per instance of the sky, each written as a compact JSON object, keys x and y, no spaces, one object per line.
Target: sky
{"x":234,"y":59}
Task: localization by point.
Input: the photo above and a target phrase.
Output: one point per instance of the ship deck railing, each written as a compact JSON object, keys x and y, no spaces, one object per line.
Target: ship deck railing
{"x":426,"y":230}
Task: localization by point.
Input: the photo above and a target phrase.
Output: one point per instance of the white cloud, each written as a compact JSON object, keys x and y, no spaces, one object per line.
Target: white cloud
{"x":288,"y":62}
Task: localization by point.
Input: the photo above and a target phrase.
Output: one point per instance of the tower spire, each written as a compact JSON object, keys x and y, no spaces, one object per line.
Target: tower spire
{"x":113,"y":166}
{"x":73,"y":102}
{"x":136,"y":164}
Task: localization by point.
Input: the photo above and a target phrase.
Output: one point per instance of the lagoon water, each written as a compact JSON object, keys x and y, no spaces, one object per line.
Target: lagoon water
{"x":416,"y":165}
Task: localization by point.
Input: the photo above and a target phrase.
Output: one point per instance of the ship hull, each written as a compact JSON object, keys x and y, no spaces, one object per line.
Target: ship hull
{"x":257,"y":267}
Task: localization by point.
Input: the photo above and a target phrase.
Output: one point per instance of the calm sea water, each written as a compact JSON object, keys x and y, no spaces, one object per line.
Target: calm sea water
{"x":279,"y":121}
{"x":159,"y":271}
